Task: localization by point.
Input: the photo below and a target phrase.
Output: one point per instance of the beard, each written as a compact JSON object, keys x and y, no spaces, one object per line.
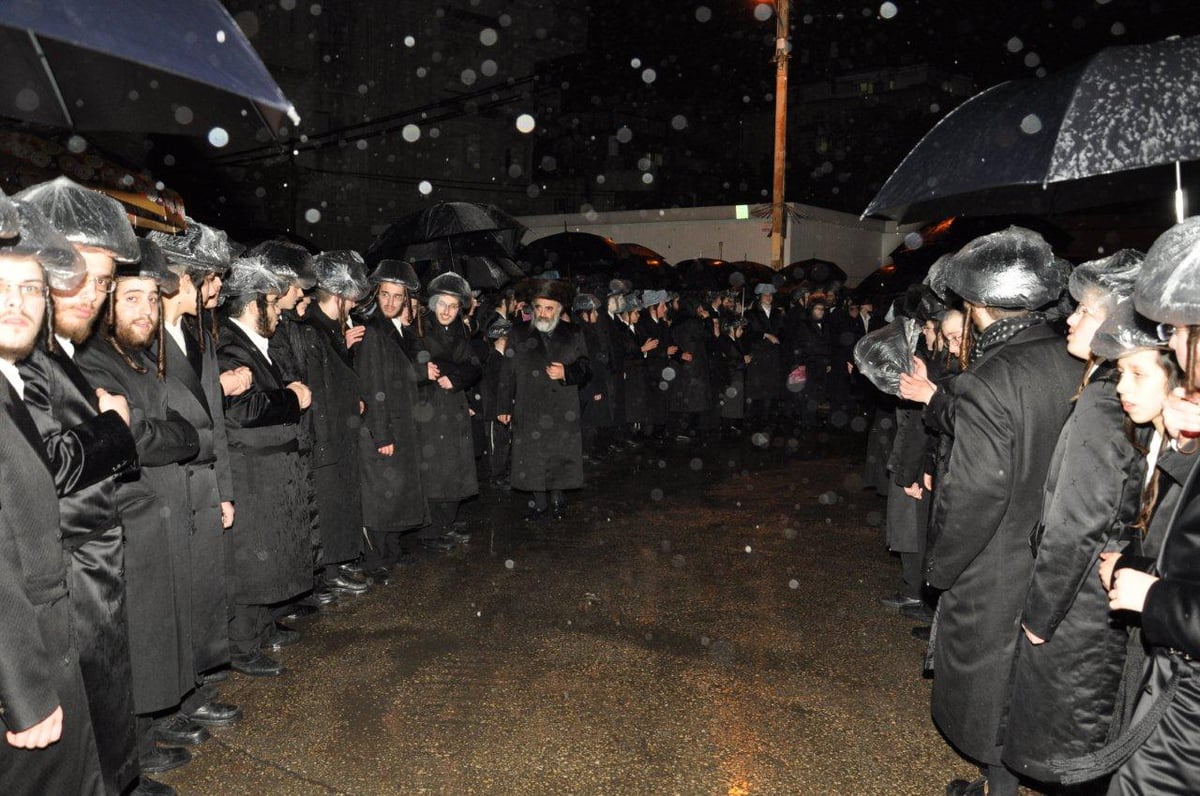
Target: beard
{"x":69,"y":324}
{"x":546,"y":326}
{"x":133,"y":338}
{"x":18,"y":343}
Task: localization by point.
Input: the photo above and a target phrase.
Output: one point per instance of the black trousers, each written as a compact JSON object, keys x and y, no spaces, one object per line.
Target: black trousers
{"x":248,"y":628}
{"x":385,"y":549}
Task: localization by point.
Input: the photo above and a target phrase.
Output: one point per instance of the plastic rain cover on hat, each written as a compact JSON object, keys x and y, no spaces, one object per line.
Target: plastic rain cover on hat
{"x":450,"y":284}
{"x":1124,"y":331}
{"x":151,"y":264}
{"x":585,"y":302}
{"x":1168,"y":288}
{"x":885,"y":353}
{"x":651,"y":298}
{"x":498,"y":328}
{"x":250,"y":275}
{"x":1111,"y":278}
{"x":199,"y":246}
{"x":10,"y":223}
{"x":289,"y":260}
{"x":936,"y":278}
{"x":764,"y":287}
{"x":85,"y":217}
{"x":1012,"y":269}
{"x":343,"y":273}
{"x":395,"y":271}
{"x":64,"y":267}
{"x":629,"y":303}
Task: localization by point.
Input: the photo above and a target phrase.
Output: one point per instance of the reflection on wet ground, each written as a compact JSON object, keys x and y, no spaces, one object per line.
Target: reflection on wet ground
{"x":704,"y":622}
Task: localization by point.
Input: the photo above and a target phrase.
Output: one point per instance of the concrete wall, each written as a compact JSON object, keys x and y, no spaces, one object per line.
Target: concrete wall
{"x":858,"y":246}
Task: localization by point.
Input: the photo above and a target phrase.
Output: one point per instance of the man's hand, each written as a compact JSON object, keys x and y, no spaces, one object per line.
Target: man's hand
{"x":748,"y":358}
{"x":850,"y":368}
{"x":433,"y":371}
{"x":927,"y":481}
{"x":686,"y":356}
{"x":113,"y":403}
{"x":445,"y":383}
{"x":1181,"y":414}
{"x":1108,"y":564}
{"x":236,"y":381}
{"x":913,"y":491}
{"x":387,"y":450}
{"x":771,"y":337}
{"x":362,"y":406}
{"x":504,"y":419}
{"x":40,"y":735}
{"x":916,"y":386}
{"x":556,"y":371}
{"x":649,"y":345}
{"x":303,"y":394}
{"x":227,"y":514}
{"x":354,"y":335}
{"x":671,"y":350}
{"x":1034,"y":639}
{"x":1129,"y":589}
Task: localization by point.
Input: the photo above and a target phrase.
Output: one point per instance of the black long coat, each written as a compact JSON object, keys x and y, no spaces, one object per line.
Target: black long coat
{"x":765,"y":374}
{"x":596,"y":397}
{"x":547,"y":450}
{"x":155,"y":511}
{"x":731,"y":378}
{"x":393,"y":498}
{"x":269,"y":551}
{"x":336,"y":417}
{"x":194,"y":391}
{"x":691,"y":389}
{"x":1009,"y":409}
{"x":634,"y":379}
{"x":656,"y":361}
{"x":1064,"y":690}
{"x":87,"y":450}
{"x":443,"y":421}
{"x":39,"y":663}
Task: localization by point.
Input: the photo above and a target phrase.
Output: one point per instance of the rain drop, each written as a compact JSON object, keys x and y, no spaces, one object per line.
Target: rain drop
{"x":410,"y":41}
{"x":287,"y":5}
{"x":1015,"y":45}
{"x":220,"y":37}
{"x":184,"y":115}
{"x":218,"y":137}
{"x":647,"y":178}
{"x":636,"y":63}
{"x":624,"y":135}
{"x":76,"y":144}
{"x":888,"y":10}
{"x":509,"y":563}
{"x":361,"y":144}
{"x":488,"y":37}
{"x":410,"y":133}
{"x":1032,"y":60}
{"x":656,"y":494}
{"x":488,"y":68}
{"x":793,"y":584}
{"x":1031,"y":124}
{"x":703,"y":14}
{"x":315,"y":9}
{"x":525,"y":123}
{"x":913,"y":240}
{"x":649,"y":76}
{"x":468,"y":77}
{"x":749,"y":549}
{"x":1118,"y":29}
{"x":679,"y":122}
{"x":696,"y":464}
{"x":425,"y":187}
{"x":312,"y":215}
{"x":763,"y":12}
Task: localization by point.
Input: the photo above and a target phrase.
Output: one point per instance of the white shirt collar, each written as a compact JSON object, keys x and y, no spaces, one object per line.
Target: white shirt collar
{"x":176,"y":332}
{"x":398,"y":324}
{"x":260,"y":342}
{"x":14,"y":377}
{"x":66,"y":345}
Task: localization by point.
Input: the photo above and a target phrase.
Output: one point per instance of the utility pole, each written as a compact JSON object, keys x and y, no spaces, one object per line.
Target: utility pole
{"x":778,"y":210}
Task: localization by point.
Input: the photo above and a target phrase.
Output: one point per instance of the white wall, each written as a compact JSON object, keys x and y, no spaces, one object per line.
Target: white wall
{"x":859,"y":246}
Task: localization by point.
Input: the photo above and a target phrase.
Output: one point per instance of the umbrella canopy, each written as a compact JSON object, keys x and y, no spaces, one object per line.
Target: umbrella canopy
{"x":181,"y":68}
{"x":706,"y":273}
{"x":753,"y":273}
{"x":572,"y":253}
{"x":1063,"y":141}
{"x":644,"y":254}
{"x":479,"y":229}
{"x":480,"y":271}
{"x":814,"y":270}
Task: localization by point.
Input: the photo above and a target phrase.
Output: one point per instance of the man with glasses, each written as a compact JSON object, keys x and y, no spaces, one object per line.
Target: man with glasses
{"x":87,"y":438}
{"x":48,"y":744}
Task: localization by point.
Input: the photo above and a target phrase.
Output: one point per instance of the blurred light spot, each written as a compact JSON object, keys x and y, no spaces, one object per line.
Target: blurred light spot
{"x":679,"y":122}
{"x":703,"y":14}
{"x":649,"y":76}
{"x":76,"y":144}
{"x":488,"y":37}
{"x":184,"y":115}
{"x":793,"y":584}
{"x":888,"y":10}
{"x":763,"y":12}
{"x":525,"y":123}
{"x":312,"y":215}
{"x":218,"y":137}
{"x":509,"y":563}
{"x":410,"y":133}
{"x":1031,"y":124}
{"x":1015,"y":45}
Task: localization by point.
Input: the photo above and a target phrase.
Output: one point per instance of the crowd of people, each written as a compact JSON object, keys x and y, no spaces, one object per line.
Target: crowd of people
{"x":1042,"y":501}
{"x":203,"y":442}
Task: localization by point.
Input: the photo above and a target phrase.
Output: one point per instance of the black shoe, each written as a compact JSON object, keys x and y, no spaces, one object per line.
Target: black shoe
{"x":380,"y":576}
{"x":257,"y":665}
{"x":921,"y":632}
{"x":536,"y":515}
{"x":341,"y":584}
{"x":438,"y":545}
{"x":456,"y":537}
{"x":297,"y":611}
{"x":162,"y":758}
{"x":281,"y":637}
{"x":353,"y":569}
{"x":960,"y":787}
{"x":214,"y":677}
{"x":921,"y":612}
{"x":324,"y":596}
{"x":899,"y":600}
{"x":149,"y":787}
{"x":559,"y":512}
{"x":216,"y":714}
{"x":178,"y":730}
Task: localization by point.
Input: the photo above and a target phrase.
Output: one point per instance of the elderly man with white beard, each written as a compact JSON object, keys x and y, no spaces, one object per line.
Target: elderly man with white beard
{"x":539,"y":396}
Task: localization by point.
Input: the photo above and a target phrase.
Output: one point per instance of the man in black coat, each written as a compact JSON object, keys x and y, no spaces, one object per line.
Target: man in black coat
{"x":393,"y":499}
{"x":539,"y":396}
{"x":1010,"y":405}
{"x":596,"y":397}
{"x":764,"y":373}
{"x":328,"y":370}
{"x":269,"y":551}
{"x":155,"y":510}
{"x":87,"y":439}
{"x":48,"y":746}
{"x":652,"y":326}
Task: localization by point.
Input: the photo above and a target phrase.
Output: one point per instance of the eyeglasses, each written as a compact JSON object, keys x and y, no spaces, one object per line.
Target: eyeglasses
{"x":104,"y":284}
{"x":26,"y":290}
{"x":1165,"y":331}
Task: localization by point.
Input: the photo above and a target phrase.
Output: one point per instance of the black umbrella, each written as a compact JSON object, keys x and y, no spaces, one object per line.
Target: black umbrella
{"x":1064,"y":141}
{"x":572,"y":253}
{"x":182,"y":68}
{"x":814,"y":270}
{"x":706,"y":273}
{"x":481,"y":229}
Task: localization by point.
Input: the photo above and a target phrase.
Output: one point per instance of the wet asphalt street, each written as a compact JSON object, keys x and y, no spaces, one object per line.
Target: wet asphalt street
{"x":704,"y":622}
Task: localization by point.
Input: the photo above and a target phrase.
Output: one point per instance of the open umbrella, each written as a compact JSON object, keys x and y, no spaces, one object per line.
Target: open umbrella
{"x":644,"y":254}
{"x":753,"y":273}
{"x":182,"y":68}
{"x":572,"y":253}
{"x":1069,"y":140}
{"x":706,"y":273}
{"x":814,"y":270}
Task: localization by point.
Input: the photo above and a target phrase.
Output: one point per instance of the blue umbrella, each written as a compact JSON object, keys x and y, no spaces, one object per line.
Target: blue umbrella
{"x":180,"y":68}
